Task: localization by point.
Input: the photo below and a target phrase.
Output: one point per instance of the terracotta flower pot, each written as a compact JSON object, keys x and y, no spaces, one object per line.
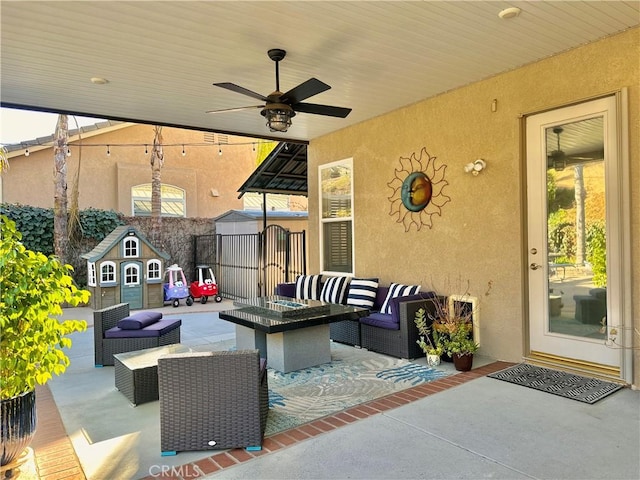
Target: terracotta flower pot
{"x":463,"y":363}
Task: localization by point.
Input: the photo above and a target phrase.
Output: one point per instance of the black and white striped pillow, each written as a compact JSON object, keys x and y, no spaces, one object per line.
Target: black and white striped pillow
{"x":362,"y":292}
{"x":398,"y":290}
{"x":334,"y":290}
{"x":308,"y":287}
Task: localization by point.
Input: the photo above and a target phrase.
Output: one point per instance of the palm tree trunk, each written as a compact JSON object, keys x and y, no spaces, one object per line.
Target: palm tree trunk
{"x":157,"y":160}
{"x":60,"y":221}
{"x":580,"y":195}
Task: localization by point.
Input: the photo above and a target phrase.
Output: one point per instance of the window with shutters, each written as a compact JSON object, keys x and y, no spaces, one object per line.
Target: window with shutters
{"x":336,"y":217}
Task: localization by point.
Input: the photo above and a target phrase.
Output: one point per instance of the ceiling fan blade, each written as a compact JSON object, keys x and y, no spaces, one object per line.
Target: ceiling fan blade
{"x":307,"y":89}
{"x":238,"y":89}
{"x":321,"y":109}
{"x":594,"y":155}
{"x":236,"y":109}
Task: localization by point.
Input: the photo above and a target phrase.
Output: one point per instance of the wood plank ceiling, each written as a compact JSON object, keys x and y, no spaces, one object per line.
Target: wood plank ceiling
{"x":161,"y":57}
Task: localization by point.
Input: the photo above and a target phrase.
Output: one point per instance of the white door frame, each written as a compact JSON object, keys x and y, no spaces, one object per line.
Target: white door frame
{"x":614,"y":108}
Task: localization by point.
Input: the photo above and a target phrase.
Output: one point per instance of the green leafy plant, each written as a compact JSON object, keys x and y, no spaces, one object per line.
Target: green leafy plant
{"x":427,"y":342}
{"x":459,"y":341}
{"x":597,"y":253}
{"x":453,"y":321}
{"x":34,"y":288}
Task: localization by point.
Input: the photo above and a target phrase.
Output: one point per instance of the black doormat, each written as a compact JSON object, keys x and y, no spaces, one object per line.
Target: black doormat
{"x":568,"y":385}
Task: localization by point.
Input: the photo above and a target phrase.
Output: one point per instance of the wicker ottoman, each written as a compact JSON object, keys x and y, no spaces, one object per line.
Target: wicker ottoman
{"x":136,"y":373}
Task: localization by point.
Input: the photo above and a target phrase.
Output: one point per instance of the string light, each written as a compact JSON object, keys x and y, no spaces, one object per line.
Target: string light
{"x":183,"y":150}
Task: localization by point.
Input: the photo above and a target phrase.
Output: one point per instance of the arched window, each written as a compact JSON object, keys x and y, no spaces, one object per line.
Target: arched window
{"x":132,"y":274}
{"x":131,"y":247}
{"x":174,"y":201}
{"x":108,"y":273}
{"x":154,"y":272}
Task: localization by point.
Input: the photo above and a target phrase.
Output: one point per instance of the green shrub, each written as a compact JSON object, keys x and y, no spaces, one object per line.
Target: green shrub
{"x":597,"y":252}
{"x":34,"y":288}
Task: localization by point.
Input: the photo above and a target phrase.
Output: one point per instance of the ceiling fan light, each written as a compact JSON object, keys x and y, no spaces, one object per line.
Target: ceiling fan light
{"x":278,"y":119}
{"x":558,"y":160}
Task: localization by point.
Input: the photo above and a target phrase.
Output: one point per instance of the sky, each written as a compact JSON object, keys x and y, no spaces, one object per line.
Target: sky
{"x":20,"y":125}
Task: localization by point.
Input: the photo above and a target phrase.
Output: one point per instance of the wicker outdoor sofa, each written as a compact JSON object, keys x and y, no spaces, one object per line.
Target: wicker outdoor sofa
{"x":393,"y":333}
{"x":212,"y":400}
{"x":109,"y":338}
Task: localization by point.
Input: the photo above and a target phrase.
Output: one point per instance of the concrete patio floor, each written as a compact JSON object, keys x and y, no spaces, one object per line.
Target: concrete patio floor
{"x":466,"y":426}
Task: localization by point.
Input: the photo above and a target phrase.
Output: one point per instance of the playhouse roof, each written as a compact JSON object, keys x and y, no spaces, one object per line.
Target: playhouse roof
{"x":114,"y":238}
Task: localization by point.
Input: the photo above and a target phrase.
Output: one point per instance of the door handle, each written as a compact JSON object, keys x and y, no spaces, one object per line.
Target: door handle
{"x":535,"y":266}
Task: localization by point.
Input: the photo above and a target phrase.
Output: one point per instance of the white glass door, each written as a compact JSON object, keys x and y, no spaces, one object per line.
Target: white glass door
{"x":574,"y":235}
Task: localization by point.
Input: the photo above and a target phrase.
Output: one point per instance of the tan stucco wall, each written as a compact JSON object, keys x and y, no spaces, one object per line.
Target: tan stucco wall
{"x":106,"y":181}
{"x":480,"y":235}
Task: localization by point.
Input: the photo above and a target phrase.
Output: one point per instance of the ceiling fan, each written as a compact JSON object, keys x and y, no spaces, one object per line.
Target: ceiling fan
{"x":279,"y":108}
{"x":558,"y":159}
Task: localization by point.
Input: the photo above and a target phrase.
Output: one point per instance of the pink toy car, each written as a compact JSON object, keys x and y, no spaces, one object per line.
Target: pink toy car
{"x":175,"y":287}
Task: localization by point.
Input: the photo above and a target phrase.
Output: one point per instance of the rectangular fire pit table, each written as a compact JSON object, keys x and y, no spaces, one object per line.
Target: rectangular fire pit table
{"x":136,"y":373}
{"x":291,"y":333}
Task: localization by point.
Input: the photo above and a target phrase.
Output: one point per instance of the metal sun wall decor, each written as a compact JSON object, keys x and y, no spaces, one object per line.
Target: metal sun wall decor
{"x":417,"y":191}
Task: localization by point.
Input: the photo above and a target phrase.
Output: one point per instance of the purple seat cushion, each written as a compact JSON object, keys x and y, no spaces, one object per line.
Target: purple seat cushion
{"x":392,"y":321}
{"x":381,"y":295}
{"x":156,"y":329}
{"x":286,"y":290}
{"x":139,"y":320}
{"x":381,"y":320}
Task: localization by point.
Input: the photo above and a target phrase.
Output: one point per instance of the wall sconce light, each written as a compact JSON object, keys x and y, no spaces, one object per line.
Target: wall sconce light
{"x":475,"y":167}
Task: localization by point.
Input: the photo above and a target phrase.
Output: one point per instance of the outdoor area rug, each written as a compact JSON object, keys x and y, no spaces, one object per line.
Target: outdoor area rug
{"x":354,"y":376}
{"x":568,"y":385}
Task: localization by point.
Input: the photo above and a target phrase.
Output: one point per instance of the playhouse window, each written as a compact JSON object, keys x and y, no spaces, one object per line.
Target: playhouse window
{"x":132,"y":275}
{"x":108,"y":273}
{"x":173,"y":201}
{"x":154,"y":271}
{"x":91,"y":274}
{"x":130,"y":247}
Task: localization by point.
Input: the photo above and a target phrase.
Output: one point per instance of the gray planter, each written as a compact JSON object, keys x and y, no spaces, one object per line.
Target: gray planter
{"x":18,"y":423}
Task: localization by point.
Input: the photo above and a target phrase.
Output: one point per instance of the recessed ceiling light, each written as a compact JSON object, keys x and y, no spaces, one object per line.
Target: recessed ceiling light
{"x":510,"y":12}
{"x":99,"y":80}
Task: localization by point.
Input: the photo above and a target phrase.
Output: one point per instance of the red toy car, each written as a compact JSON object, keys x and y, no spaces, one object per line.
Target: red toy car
{"x":205,"y":285}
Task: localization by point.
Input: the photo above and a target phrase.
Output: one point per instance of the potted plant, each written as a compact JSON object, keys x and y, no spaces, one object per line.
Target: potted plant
{"x":426,"y":341}
{"x":457,"y":342}
{"x":452,"y":324}
{"x":34,"y":287}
